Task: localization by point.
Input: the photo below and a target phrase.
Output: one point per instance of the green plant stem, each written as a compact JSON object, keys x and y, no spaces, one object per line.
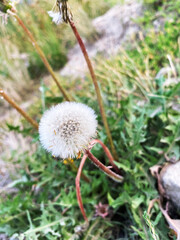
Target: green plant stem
{"x":20,"y":110}
{"x":94,"y":79}
{"x":78,"y":192}
{"x":42,"y":56}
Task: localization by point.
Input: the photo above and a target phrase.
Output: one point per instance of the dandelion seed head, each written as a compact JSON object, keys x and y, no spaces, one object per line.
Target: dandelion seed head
{"x":6,"y":7}
{"x":67,"y":128}
{"x":60,"y":12}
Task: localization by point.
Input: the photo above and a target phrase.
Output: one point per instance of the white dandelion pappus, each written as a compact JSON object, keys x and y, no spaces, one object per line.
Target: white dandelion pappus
{"x":67,"y":128}
{"x":56,"y":17}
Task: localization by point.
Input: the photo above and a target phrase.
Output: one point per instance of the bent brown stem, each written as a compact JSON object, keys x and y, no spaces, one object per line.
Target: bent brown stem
{"x":74,"y":167}
{"x":107,"y":152}
{"x":94,"y":79}
{"x":106,"y":170}
{"x":20,"y":110}
{"x":42,"y":56}
{"x":111,"y":174}
{"x":78,"y":192}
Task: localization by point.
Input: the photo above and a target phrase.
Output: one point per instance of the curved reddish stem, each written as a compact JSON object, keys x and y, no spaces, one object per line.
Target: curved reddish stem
{"x":78,"y":192}
{"x":111,"y":174}
{"x":107,"y":152}
{"x":105,"y":169}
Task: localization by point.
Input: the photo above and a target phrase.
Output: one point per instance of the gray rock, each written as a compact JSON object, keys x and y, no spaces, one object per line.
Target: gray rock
{"x":114,"y":28}
{"x":170,"y":177}
{"x":3,"y":237}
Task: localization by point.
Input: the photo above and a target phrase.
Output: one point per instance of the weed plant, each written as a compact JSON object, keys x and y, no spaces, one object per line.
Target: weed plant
{"x":142,"y":106}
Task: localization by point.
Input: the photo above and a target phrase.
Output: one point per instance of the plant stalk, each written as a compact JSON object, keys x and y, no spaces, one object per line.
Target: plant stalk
{"x":106,"y":170}
{"x":94,"y":79}
{"x":42,"y":56}
{"x":111,"y":174}
{"x":74,"y":167}
{"x":107,"y":152}
{"x":78,"y":192}
{"x":20,"y":110}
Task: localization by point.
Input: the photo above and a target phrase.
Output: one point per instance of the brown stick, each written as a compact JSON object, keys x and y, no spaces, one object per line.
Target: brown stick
{"x":107,"y":152}
{"x":42,"y":55}
{"x":94,"y":79}
{"x":22,"y":112}
{"x":114,"y":176}
{"x":78,"y":192}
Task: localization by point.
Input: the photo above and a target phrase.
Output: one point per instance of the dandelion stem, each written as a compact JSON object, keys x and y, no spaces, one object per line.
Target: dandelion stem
{"x":78,"y":192}
{"x":111,"y":174}
{"x":94,"y":79}
{"x":42,"y":55}
{"x":107,"y":152}
{"x":74,"y":167}
{"x":20,"y":110}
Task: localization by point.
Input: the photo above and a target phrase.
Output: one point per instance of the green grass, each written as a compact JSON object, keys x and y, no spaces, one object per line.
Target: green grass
{"x":143,"y":116}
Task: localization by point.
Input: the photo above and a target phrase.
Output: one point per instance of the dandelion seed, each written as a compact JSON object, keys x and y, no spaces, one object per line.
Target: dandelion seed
{"x":4,"y":18}
{"x":67,"y":127}
{"x":56,"y":17}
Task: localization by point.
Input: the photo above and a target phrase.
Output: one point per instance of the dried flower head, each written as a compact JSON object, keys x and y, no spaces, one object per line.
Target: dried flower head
{"x":67,"y":128}
{"x":102,"y":210}
{"x":61,"y":12}
{"x":6,"y":5}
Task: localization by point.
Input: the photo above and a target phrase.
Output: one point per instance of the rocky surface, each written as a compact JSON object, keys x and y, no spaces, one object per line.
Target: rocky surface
{"x":170,"y":177}
{"x":11,"y":142}
{"x":114,"y":28}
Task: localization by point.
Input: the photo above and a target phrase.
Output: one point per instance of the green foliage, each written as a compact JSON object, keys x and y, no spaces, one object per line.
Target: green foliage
{"x":143,"y":113}
{"x":153,"y":234}
{"x":94,"y":9}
